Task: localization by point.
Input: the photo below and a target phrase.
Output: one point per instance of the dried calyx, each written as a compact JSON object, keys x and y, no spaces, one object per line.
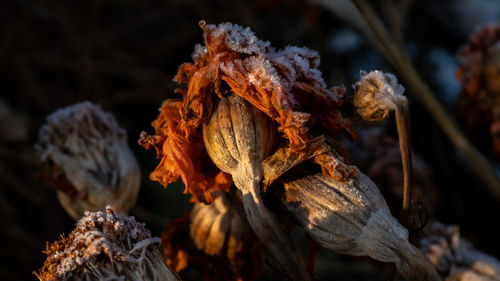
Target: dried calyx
{"x":238,"y":137}
{"x":106,"y":246}
{"x":352,"y":218}
{"x":221,"y":229}
{"x":86,"y":158}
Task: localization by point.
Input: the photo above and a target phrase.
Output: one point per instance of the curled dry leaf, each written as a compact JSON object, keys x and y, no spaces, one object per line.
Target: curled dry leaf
{"x":106,"y":246}
{"x":285,"y":85}
{"x":181,"y":150}
{"x":86,"y":157}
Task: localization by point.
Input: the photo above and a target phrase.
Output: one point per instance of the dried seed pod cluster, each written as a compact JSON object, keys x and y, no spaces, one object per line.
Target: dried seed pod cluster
{"x":353,"y":218}
{"x":106,"y":246}
{"x":87,"y":159}
{"x":457,"y":259}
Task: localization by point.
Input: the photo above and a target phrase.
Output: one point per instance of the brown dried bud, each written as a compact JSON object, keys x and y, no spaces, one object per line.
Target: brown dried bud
{"x":353,"y":218}
{"x":87,"y":159}
{"x":220,"y":228}
{"x":105,"y":246}
{"x":377,"y":94}
{"x":456,"y":258}
{"x":238,"y":138}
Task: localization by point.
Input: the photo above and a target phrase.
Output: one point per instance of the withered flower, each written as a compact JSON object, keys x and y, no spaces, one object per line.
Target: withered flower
{"x":86,"y":158}
{"x":457,"y":259}
{"x":215,"y":238}
{"x":377,"y":94}
{"x":479,"y":74}
{"x":106,"y":246}
{"x":285,"y":85}
{"x":352,"y":218}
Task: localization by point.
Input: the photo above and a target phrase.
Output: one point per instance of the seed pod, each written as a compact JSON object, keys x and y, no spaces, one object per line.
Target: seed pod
{"x":238,"y":137}
{"x":220,"y":228}
{"x":87,"y":160}
{"x":105,"y":246}
{"x":353,"y":218}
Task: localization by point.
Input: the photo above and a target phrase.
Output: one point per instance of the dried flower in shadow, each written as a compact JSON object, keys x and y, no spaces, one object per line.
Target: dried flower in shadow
{"x":352,"y":218}
{"x":378,"y":155}
{"x":106,"y":246}
{"x":87,"y":159}
{"x":222,"y":243}
{"x":479,"y":73}
{"x":456,"y":258}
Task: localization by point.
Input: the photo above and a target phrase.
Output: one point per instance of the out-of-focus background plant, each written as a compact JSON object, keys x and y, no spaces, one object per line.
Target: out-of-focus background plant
{"x":122,"y":55}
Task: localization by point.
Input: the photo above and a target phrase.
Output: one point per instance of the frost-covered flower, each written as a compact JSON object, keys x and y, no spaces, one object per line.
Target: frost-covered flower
{"x":87,"y":159}
{"x":377,"y":94}
{"x":285,"y":85}
{"x":106,"y":246}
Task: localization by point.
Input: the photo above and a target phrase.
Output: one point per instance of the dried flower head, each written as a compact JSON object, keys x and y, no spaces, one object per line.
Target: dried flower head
{"x":215,"y":238}
{"x":106,"y":246}
{"x":87,"y":159}
{"x":377,"y":94}
{"x":352,"y":218}
{"x":455,"y":258}
{"x":285,"y":85}
{"x":479,"y":74}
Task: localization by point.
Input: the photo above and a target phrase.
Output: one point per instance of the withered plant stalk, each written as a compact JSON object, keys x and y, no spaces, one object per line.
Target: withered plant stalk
{"x":422,"y":91}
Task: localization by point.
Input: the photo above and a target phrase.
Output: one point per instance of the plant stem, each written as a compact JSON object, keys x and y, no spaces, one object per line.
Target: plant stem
{"x":422,"y":91}
{"x":403,"y":125}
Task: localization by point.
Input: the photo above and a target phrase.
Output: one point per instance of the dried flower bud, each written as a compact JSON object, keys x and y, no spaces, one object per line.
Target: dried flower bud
{"x":456,"y":258}
{"x":220,"y":228}
{"x":353,"y":218}
{"x":238,"y":138}
{"x":87,"y":159}
{"x":377,"y":94}
{"x":105,"y":246}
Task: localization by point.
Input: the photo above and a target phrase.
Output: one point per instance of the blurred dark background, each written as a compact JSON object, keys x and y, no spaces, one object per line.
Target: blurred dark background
{"x":123,"y":55}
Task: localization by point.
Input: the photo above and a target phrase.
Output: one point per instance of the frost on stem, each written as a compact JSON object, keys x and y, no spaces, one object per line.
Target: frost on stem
{"x":105,"y":246}
{"x":285,"y":85}
{"x":87,"y":159}
{"x":377,"y":94}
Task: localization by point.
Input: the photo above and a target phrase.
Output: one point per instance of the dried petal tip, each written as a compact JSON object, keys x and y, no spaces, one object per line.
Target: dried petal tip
{"x":105,"y":246}
{"x":87,"y":159}
{"x":377,"y":94}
